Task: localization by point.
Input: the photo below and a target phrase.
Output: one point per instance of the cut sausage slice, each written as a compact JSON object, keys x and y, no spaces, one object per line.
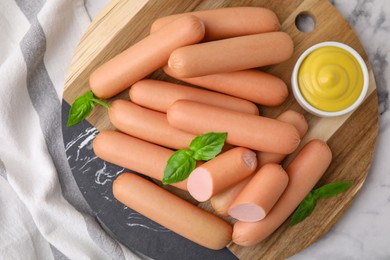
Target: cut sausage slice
{"x":222,"y":201}
{"x":229,"y":22}
{"x":134,"y":154}
{"x":232,"y":54}
{"x":253,"y":85}
{"x":221,"y":172}
{"x":159,"y":95}
{"x":260,"y":194}
{"x":145,"y":56}
{"x":172,"y":212}
{"x":304,"y":172}
{"x":148,"y":125}
{"x":250,"y":131}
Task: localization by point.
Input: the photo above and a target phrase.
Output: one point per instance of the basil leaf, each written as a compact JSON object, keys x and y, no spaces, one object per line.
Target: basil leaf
{"x":179,"y":166}
{"x":207,"y":146}
{"x":304,"y":209}
{"x":331,"y":189}
{"x":183,"y":162}
{"x":82,"y":107}
{"x":307,"y":206}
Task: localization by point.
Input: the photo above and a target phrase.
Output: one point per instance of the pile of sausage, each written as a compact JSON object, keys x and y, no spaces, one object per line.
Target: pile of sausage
{"x":217,"y":50}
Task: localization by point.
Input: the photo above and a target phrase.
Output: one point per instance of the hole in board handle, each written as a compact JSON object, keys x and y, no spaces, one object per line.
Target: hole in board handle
{"x":305,"y":22}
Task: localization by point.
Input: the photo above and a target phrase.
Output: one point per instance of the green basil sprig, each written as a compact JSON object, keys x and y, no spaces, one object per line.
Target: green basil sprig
{"x":82,"y":107}
{"x":307,"y":206}
{"x":182,"y":162}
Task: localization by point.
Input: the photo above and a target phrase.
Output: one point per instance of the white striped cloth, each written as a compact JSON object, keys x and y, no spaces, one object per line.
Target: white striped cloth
{"x":43,"y":215}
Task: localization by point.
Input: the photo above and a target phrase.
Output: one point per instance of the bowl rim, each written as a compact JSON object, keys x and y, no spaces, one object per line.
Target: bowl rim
{"x":306,"y":105}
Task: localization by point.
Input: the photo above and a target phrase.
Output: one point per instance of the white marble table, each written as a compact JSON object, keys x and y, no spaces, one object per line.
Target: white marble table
{"x":363,"y":232}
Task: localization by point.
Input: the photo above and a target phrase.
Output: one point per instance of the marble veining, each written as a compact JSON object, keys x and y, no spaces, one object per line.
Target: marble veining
{"x":380,"y":63}
{"x":136,"y":220}
{"x":102,"y":176}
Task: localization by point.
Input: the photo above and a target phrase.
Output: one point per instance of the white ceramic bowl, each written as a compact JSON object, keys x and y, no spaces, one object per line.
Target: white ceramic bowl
{"x":306,"y":105}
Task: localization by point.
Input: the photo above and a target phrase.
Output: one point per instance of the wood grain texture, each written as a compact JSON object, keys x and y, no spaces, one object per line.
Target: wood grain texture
{"x":351,"y":137}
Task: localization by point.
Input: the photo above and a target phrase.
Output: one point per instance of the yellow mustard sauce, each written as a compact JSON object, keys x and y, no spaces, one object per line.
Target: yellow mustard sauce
{"x":330,"y":79}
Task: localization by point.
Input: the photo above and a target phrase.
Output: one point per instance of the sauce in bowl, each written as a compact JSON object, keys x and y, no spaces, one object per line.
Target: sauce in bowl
{"x":330,"y":79}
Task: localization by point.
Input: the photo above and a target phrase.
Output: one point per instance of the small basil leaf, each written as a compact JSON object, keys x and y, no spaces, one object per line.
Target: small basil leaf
{"x":207,"y":146}
{"x":82,"y":107}
{"x":304,"y":209}
{"x":179,"y":166}
{"x":331,"y":189}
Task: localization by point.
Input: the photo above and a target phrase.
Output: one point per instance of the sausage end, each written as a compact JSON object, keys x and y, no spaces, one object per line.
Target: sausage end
{"x":96,"y":86}
{"x":200,"y":184}
{"x":241,"y":234}
{"x":195,"y":27}
{"x":177,"y":64}
{"x":98,"y":143}
{"x":322,"y":145}
{"x":247,"y":212}
{"x":115,"y":110}
{"x":219,"y":206}
{"x":118,"y":187}
{"x":282,"y":93}
{"x":250,"y":159}
{"x":294,"y":139}
{"x":296,"y":119}
{"x":287,"y":43}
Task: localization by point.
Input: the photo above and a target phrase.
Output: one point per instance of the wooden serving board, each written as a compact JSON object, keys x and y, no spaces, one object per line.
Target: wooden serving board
{"x":351,"y":137}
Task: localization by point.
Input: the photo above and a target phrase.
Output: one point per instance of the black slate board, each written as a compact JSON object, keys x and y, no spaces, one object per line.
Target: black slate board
{"x":94,"y":178}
